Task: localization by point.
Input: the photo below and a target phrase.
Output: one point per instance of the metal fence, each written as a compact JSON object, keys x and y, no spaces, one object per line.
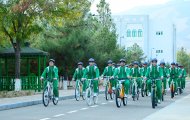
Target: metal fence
{"x":27,"y":83}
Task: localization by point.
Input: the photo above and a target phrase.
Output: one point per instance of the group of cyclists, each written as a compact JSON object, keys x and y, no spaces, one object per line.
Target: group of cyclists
{"x":143,"y":74}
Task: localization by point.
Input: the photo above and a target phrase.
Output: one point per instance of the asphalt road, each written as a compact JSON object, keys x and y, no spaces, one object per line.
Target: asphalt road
{"x":78,"y":110}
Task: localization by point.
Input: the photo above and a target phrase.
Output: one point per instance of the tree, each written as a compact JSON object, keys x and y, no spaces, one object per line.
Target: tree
{"x":183,"y":58}
{"x":135,"y":53}
{"x":21,"y":19}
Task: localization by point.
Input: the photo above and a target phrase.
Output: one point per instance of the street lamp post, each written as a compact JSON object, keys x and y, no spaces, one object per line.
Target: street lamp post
{"x":151,"y":52}
{"x":120,"y":40}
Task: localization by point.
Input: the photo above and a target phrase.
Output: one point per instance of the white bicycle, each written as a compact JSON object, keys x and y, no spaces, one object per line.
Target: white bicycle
{"x":48,"y":95}
{"x":90,"y":98}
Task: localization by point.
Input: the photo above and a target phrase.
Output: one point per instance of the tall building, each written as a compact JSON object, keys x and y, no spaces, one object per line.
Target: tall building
{"x":157,"y":40}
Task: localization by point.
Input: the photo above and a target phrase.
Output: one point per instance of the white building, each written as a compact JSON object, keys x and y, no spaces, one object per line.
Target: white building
{"x":157,"y":39}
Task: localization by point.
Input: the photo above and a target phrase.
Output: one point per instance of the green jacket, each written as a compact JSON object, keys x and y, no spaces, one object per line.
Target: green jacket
{"x":108,"y":71}
{"x":164,"y":69}
{"x":183,"y":73}
{"x":172,"y":72}
{"x":121,"y":72}
{"x":78,"y":74}
{"x":50,"y":73}
{"x":136,"y":72}
{"x":91,"y":72}
{"x":143,"y":71}
{"x":154,"y":72}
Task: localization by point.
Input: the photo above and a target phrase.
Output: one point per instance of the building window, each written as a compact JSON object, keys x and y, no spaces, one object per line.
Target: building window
{"x":159,"y":51}
{"x":128,"y":33}
{"x":159,"y":33}
{"x":134,"y":33}
{"x":140,"y":33}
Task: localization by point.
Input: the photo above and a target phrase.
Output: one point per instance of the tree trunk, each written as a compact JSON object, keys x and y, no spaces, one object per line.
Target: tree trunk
{"x":17,"y":60}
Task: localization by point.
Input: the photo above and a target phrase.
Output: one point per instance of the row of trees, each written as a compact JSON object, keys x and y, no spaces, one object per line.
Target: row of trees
{"x":64,"y":28}
{"x":184,"y":58}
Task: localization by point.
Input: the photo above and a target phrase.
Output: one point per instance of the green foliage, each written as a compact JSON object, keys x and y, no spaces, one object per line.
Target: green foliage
{"x":183,"y":58}
{"x":135,"y":53}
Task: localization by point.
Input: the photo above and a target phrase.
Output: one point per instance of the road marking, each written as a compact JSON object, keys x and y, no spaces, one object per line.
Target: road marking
{"x":58,"y":115}
{"x":110,"y":101}
{"x":72,"y":111}
{"x":103,"y":103}
{"x":83,"y":108}
{"x":94,"y":106}
{"x":45,"y":119}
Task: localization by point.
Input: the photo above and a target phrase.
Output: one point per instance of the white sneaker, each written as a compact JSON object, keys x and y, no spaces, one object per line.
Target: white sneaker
{"x":168,"y":89}
{"x":159,"y":101}
{"x":95,"y":94}
{"x":56,"y":98}
{"x":126,"y":95}
{"x":113,"y":88}
{"x":149,"y":94}
{"x":176,"y":93}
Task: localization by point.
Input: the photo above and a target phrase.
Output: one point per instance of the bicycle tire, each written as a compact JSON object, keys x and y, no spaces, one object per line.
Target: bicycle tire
{"x":45,"y":91}
{"x":172,"y":91}
{"x":125,"y":101}
{"x":117,"y":98}
{"x":88,"y":96}
{"x":153,"y":99}
{"x":55,"y":101}
{"x":77,"y":93}
{"x":143,"y":90}
{"x":106,"y":92}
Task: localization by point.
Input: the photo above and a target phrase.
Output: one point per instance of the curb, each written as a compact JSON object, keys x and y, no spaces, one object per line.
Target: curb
{"x":34,"y":102}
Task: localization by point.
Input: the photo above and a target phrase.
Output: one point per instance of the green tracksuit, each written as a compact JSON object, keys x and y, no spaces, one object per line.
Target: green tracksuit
{"x":50,"y":73}
{"x":109,"y":71}
{"x":184,"y":75}
{"x":173,"y":73}
{"x":79,"y":72}
{"x":164,"y":80}
{"x":92,"y":72}
{"x":136,"y":72}
{"x":122,"y":72}
{"x":155,"y":72}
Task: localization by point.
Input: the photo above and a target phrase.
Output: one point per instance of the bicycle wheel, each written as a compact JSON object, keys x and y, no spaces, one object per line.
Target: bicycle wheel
{"x":143,"y":90}
{"x":54,"y":100}
{"x":172,"y":90}
{"x":88,"y":96}
{"x":112,"y":95}
{"x":95,"y":99}
{"x":117,"y":98}
{"x":124,"y":101}
{"x":133,"y":92}
{"x":106,"y":92}
{"x":153,"y":98}
{"x":138,"y":92}
{"x":77,"y":93}
{"x":45,"y":97}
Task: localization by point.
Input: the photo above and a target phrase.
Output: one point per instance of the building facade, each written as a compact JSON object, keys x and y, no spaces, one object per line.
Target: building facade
{"x":156,"y":39}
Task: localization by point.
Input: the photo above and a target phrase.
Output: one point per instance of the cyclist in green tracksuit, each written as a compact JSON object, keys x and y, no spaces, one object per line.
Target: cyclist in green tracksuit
{"x":154,"y":72}
{"x":143,"y":72}
{"x":92,"y":72}
{"x":164,"y":69}
{"x":183,"y":75}
{"x":136,"y":72}
{"x":173,"y":73}
{"x":122,"y":72}
{"x":50,"y":73}
{"x":109,"y":71}
{"x":79,"y":72}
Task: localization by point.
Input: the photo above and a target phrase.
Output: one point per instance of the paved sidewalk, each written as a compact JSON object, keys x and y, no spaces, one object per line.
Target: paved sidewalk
{"x":179,"y":110}
{"x":17,"y":102}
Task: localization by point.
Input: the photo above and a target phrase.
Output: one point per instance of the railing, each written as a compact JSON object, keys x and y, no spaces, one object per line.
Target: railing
{"x":27,"y":83}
